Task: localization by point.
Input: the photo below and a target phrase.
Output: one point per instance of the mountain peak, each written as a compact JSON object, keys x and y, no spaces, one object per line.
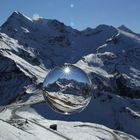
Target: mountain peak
{"x":18,"y":15}
{"x":124,"y":28}
{"x":15,"y":21}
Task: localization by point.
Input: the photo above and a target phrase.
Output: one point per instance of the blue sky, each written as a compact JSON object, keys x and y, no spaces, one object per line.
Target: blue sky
{"x":78,"y":13}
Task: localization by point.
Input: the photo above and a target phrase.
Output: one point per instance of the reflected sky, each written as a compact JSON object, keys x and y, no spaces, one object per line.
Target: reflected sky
{"x":69,"y":72}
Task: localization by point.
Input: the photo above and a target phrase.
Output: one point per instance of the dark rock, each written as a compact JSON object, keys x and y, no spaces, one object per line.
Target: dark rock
{"x":53,"y":126}
{"x":124,"y":90}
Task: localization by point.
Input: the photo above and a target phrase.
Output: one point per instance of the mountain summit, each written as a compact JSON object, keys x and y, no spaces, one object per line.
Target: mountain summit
{"x":124,"y":28}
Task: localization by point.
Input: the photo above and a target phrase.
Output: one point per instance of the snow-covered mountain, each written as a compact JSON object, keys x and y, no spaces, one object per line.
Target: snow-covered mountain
{"x":110,"y":56}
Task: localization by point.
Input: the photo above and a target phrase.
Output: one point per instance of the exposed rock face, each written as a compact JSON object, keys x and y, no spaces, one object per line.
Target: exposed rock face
{"x":12,"y":81}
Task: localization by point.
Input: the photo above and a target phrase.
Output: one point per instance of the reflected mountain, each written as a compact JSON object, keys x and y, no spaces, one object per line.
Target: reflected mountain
{"x":67,"y":95}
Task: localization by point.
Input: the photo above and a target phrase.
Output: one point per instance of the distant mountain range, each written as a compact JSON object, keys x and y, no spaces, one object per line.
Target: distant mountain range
{"x":110,"y":56}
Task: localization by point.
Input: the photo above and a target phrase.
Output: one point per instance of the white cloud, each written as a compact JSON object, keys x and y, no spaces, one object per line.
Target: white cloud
{"x":36,"y":16}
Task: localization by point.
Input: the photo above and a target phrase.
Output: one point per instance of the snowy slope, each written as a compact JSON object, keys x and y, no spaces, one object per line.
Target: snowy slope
{"x":15,"y":70}
{"x":26,"y":123}
{"x":110,"y":56}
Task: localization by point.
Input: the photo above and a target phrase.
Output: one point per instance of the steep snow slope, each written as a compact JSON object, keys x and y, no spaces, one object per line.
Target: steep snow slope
{"x":15,"y":71}
{"x":123,"y":60}
{"x":110,"y":56}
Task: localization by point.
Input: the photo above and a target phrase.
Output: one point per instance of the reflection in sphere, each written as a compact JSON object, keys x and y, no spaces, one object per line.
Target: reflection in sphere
{"x":67,"y":89}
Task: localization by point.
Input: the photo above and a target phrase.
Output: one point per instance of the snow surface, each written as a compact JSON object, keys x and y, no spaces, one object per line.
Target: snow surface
{"x":29,"y":49}
{"x":26,"y":123}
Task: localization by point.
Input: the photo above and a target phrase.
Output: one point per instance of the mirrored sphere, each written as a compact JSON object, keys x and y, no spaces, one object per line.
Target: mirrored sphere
{"x":67,"y":89}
